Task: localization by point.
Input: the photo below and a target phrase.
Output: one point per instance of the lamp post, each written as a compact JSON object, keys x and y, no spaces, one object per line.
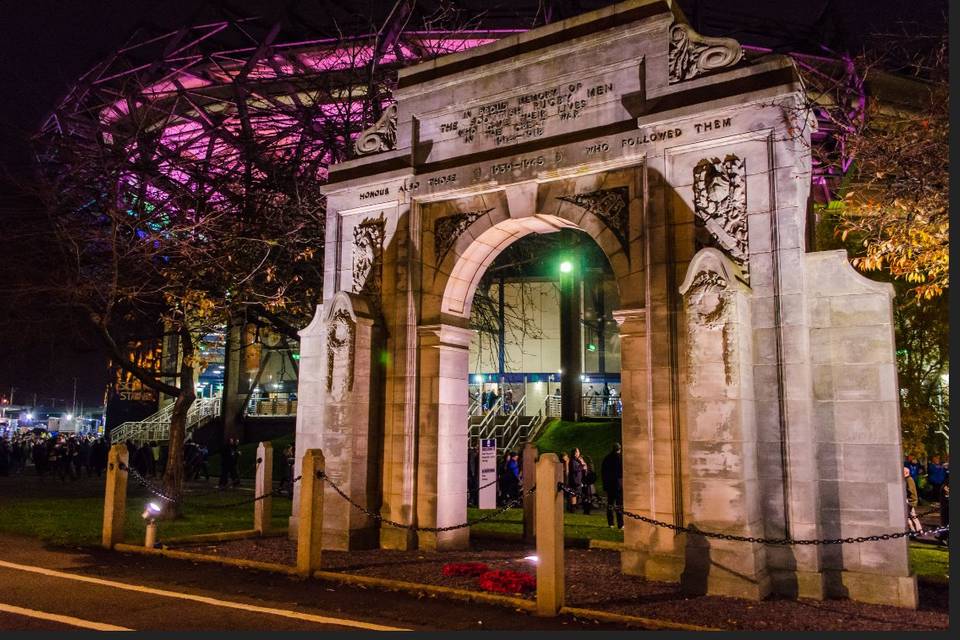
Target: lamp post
{"x":570,"y":349}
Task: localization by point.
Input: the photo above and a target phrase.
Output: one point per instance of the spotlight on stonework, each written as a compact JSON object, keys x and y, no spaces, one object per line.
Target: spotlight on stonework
{"x":152,"y":511}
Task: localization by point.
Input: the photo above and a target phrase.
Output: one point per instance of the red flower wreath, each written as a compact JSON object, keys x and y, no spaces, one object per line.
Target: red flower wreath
{"x":507,"y":582}
{"x":465,"y":569}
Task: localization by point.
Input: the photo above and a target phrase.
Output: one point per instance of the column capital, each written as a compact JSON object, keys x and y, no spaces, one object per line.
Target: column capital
{"x":631,"y":321}
{"x":448,"y":335}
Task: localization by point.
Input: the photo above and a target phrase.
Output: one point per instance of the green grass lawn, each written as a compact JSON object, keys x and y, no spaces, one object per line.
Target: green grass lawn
{"x":930,"y":562}
{"x":78,"y":520}
{"x":575,"y":525}
{"x":594,"y":439}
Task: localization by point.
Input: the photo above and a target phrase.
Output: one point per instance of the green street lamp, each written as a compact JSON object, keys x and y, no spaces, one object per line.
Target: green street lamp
{"x":566,"y":266}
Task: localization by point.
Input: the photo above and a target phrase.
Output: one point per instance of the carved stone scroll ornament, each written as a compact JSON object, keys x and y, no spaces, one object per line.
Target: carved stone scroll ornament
{"x":382,"y":136}
{"x":341,"y":336}
{"x":720,"y":204}
{"x":692,"y":54}
{"x":368,"y":237}
{"x":611,"y":206}
{"x":446,"y":230}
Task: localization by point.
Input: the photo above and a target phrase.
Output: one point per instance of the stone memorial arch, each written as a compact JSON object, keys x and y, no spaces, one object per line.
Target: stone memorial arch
{"x":758,"y":379}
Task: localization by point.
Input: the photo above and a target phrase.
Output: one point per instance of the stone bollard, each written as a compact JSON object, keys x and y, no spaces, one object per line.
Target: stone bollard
{"x":550,"y":589}
{"x":310,"y":518}
{"x":529,"y":465}
{"x":115,"y":497}
{"x":263,"y":509}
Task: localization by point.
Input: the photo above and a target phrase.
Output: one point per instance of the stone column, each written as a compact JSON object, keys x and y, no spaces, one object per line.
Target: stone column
{"x":115,"y":495}
{"x":721,"y":432}
{"x":647,"y":478}
{"x":263,"y":486}
{"x":310,"y":397}
{"x":442,"y":441}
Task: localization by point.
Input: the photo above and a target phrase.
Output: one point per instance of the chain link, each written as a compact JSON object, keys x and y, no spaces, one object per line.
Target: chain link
{"x":399,"y":525}
{"x":601,"y":503}
{"x":275,"y":492}
{"x":149,"y":486}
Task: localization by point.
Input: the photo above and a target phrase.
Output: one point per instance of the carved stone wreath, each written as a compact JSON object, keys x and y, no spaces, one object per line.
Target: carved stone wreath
{"x":341,"y":336}
{"x":611,"y":206}
{"x":720,"y":204}
{"x":446,"y":230}
{"x":382,"y":136}
{"x":692,"y":54}
{"x":368,"y":237}
{"x":706,"y":298}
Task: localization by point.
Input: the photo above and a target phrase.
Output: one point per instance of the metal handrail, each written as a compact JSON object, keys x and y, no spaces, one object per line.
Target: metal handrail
{"x":157,"y":426}
{"x":474,"y":408}
{"x":510,"y":429}
{"x":487,"y":427}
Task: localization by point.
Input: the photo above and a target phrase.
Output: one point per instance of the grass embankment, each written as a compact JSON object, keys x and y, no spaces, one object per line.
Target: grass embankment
{"x":72,"y":512}
{"x":595,"y":440}
{"x":78,"y":521}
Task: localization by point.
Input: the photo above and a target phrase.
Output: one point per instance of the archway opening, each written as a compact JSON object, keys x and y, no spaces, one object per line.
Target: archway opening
{"x":545,"y":346}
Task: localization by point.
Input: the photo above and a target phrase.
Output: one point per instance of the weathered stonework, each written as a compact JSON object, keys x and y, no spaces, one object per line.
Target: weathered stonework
{"x":382,"y":136}
{"x":611,"y":206}
{"x":692,"y":54}
{"x":368,"y":239}
{"x":720,"y":203}
{"x":763,"y":407}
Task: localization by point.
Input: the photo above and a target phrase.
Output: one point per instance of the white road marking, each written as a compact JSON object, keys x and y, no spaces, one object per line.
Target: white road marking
{"x":227,"y":604}
{"x":56,"y":617}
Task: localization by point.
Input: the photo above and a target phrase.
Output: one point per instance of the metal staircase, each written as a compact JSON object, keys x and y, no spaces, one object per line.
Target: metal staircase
{"x":511,"y":430}
{"x":157,"y":427}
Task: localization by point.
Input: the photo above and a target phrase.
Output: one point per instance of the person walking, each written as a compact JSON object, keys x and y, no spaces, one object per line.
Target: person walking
{"x":913,"y":499}
{"x":575,"y":478}
{"x":936,"y":475}
{"x":229,"y":463}
{"x":944,"y":536}
{"x":611,"y":472}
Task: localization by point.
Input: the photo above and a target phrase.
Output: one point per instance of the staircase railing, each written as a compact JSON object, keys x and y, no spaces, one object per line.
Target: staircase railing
{"x":487,"y":427}
{"x":157,"y":426}
{"x":510,"y":429}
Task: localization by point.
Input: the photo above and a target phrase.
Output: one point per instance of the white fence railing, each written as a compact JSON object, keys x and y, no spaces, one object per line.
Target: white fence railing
{"x":157,"y":427}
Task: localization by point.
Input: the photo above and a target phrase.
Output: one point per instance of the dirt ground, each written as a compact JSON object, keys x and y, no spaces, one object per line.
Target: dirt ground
{"x":593,"y":580}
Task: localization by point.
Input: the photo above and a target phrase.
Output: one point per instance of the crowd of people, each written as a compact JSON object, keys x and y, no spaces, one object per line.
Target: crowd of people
{"x":580,"y":478}
{"x":929,"y":483}
{"x":67,"y":456}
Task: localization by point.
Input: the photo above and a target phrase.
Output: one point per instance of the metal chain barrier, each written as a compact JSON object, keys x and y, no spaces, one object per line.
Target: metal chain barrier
{"x":602,"y":503}
{"x":399,"y":525}
{"x":158,"y":492}
{"x":149,"y":486}
{"x":238,"y":503}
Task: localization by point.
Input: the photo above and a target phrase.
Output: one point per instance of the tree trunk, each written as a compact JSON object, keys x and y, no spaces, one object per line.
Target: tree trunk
{"x":173,"y":473}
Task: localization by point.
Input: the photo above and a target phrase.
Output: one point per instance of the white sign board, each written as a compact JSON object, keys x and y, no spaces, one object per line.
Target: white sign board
{"x":488,"y":474}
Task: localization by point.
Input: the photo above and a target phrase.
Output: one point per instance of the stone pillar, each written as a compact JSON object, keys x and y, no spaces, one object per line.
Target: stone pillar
{"x":352,"y":421}
{"x":550,"y":583}
{"x":529,"y":462}
{"x":647,"y":456}
{"x":310,"y":398}
{"x":859,"y":449}
{"x":263,"y":485}
{"x":115,"y":496}
{"x":442,"y":441}
{"x":310,"y":522}
{"x":721,"y":432}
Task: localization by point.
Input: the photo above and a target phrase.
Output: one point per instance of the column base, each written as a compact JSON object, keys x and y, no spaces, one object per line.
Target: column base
{"x":896,"y":591}
{"x":799,"y":584}
{"x":457,"y":540}
{"x":397,"y":539}
{"x":293,"y":522}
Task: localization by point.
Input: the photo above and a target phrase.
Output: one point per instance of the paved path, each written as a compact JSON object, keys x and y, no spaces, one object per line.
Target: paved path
{"x":49,"y":588}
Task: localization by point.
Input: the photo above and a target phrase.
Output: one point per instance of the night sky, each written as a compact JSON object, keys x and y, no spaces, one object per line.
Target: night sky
{"x":47,"y":44}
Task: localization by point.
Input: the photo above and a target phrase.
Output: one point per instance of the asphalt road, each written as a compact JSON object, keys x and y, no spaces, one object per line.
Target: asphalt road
{"x":54,"y":588}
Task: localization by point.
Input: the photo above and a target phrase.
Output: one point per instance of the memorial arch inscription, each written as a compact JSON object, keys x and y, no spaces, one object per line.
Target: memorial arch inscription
{"x":757,"y":378}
